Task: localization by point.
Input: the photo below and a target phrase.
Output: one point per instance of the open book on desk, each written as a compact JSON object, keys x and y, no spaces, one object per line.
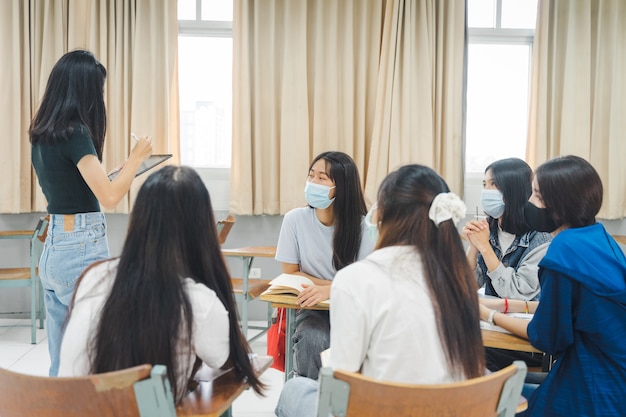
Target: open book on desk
{"x":488,"y":326}
{"x":290,"y":285}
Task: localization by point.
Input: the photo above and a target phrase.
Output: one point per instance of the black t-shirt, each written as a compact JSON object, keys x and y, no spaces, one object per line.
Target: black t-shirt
{"x":59,"y":177}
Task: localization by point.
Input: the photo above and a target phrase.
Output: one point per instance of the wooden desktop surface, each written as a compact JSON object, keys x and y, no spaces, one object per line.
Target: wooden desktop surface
{"x":494,"y":339}
{"x":212,"y":398}
{"x":251,"y":251}
{"x":491,"y":338}
{"x":15,"y":233}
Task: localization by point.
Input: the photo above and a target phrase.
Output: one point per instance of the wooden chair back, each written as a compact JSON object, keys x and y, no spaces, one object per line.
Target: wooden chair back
{"x":134,"y":392}
{"x":349,"y":394}
{"x":223,"y":228}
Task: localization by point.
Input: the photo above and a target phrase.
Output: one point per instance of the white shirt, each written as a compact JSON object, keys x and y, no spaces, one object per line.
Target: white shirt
{"x":210,"y":325}
{"x":382,"y":320}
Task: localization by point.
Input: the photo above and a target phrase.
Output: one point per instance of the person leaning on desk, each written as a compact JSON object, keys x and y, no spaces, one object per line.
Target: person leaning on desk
{"x":503,"y":250}
{"x":581,"y":318}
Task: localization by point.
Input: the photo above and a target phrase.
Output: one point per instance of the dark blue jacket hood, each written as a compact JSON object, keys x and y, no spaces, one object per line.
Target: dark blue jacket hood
{"x":590,"y":256}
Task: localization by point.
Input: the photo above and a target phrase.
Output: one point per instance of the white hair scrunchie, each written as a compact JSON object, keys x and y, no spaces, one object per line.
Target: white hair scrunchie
{"x":446,"y":206}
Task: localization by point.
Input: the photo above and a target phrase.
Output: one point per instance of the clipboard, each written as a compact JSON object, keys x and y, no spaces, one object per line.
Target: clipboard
{"x":149,"y":163}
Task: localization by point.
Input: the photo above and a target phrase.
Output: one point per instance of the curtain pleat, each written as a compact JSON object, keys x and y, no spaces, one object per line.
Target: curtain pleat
{"x":578,"y":90}
{"x":379,"y":80}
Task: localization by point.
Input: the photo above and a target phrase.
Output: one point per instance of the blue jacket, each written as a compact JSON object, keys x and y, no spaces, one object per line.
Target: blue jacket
{"x":582,"y":320}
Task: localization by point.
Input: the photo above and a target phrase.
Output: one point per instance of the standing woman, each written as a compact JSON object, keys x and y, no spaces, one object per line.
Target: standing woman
{"x":503,"y":250}
{"x":408,"y":312}
{"x":67,"y":137}
{"x":581,"y":318}
{"x":317,"y":241}
{"x":167,"y":299}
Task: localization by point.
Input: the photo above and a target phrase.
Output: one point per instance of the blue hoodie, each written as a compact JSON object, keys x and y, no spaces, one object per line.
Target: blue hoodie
{"x":581,"y":319}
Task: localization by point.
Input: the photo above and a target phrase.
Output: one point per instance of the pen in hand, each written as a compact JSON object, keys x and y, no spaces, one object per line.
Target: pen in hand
{"x":132,"y":135}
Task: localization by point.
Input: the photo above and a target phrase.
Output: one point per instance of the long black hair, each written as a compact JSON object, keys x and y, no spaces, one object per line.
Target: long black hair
{"x":74,"y":99}
{"x":404,"y":200}
{"x":171,"y":236}
{"x":512,"y":177}
{"x":348,"y":208}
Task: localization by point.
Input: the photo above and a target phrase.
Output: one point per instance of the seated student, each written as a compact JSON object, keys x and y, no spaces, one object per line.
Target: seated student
{"x":581,"y":318}
{"x":390,"y":315}
{"x":317,"y":241}
{"x":504,"y":251}
{"x":167,"y":299}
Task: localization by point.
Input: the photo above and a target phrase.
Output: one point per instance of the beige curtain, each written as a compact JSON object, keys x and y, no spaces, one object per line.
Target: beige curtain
{"x":578,"y":90}
{"x":418,"y":116}
{"x":135,"y":40}
{"x":366,"y":77}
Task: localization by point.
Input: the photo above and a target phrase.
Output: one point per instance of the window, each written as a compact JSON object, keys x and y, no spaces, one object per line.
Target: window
{"x":205,"y":82}
{"x":498,"y":79}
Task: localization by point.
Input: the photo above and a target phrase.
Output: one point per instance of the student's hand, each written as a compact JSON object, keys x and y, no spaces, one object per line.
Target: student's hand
{"x":142,"y":149}
{"x":477,"y":234}
{"x":473,"y":226}
{"x":484,"y":311}
{"x":313,"y":294}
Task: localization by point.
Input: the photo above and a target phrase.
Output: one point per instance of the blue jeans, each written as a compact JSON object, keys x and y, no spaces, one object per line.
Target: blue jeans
{"x":311,"y":337}
{"x":298,"y":398}
{"x":71,"y":246}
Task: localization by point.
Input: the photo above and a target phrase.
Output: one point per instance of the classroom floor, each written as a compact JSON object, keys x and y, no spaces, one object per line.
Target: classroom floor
{"x":19,"y":355}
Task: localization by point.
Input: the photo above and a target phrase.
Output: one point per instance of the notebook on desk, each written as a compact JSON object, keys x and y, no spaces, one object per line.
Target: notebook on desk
{"x":149,"y":163}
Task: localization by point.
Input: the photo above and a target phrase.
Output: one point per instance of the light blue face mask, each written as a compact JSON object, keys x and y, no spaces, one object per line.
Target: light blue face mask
{"x":317,"y":195}
{"x":492,"y":202}
{"x":372,"y":228}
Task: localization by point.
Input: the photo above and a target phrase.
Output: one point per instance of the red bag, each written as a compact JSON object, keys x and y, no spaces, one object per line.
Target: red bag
{"x":276,"y":340}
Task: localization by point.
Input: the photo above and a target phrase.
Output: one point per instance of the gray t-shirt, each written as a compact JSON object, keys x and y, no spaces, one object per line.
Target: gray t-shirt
{"x":306,"y":241}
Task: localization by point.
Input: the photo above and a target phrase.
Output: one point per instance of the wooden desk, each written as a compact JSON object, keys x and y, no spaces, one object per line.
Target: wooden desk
{"x":214,"y":398}
{"x":290,"y":304}
{"x":490,"y":338}
{"x":15,"y":234}
{"x":507,"y":341}
{"x":494,"y":339}
{"x":247,"y":255}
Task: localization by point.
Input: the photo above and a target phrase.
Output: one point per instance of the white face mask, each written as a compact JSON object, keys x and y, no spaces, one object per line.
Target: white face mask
{"x":317,"y":195}
{"x":372,"y":227}
{"x":492,"y":202}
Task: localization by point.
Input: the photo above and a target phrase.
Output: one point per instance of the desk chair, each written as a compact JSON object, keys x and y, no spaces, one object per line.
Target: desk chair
{"x":27,"y":276}
{"x":140,"y":391}
{"x":242,"y":288}
{"x":224,"y":227}
{"x":349,"y":394}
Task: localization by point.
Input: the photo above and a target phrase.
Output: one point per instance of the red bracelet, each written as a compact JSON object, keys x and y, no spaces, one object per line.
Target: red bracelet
{"x":506,"y":305}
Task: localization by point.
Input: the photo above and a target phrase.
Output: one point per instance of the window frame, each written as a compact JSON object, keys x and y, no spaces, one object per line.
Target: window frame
{"x":216,"y":179}
{"x":492,"y":36}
